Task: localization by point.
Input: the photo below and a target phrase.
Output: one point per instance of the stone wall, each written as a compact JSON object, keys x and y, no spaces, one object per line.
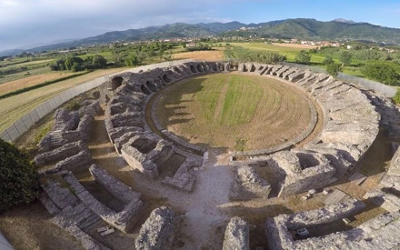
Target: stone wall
{"x":248,"y":185}
{"x":159,"y":230}
{"x":277,"y":228}
{"x":237,"y":235}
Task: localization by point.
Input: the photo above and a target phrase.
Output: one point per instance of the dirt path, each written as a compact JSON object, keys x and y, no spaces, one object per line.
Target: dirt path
{"x":205,"y":221}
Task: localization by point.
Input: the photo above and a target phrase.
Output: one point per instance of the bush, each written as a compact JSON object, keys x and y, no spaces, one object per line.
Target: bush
{"x":334,"y":69}
{"x":396,"y":97}
{"x":19,"y":181}
{"x":303,"y":57}
{"x":76,"y":67}
{"x":328,"y":60}
{"x":73,"y":106}
{"x":383,"y":71}
{"x":345,"y":58}
{"x":99,"y":62}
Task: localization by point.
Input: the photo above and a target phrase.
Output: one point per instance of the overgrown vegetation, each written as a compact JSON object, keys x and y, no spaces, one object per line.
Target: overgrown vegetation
{"x":246,"y":55}
{"x":303,"y":57}
{"x":73,"y":106}
{"x":396,"y":97}
{"x":75,"y":63}
{"x":334,"y":69}
{"x":18,"y":177}
{"x":383,"y":71}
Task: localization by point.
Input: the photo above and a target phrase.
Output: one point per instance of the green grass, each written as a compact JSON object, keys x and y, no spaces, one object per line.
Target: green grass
{"x":233,"y":111}
{"x":240,"y":102}
{"x":291,"y":53}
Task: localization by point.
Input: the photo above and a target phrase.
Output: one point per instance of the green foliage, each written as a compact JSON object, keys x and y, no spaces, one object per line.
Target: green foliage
{"x":18,"y":177}
{"x":73,"y":106}
{"x":71,"y":60}
{"x":132,"y":60}
{"x":334,"y":69}
{"x":396,"y":97}
{"x":98,"y":61}
{"x":345,"y":58}
{"x":199,"y":47}
{"x":75,"y":63}
{"x":42,"y":133}
{"x":246,"y":55}
{"x":303,"y":57}
{"x":383,"y":71}
{"x":240,"y":144}
{"x":76,"y":67}
{"x":328,"y":60}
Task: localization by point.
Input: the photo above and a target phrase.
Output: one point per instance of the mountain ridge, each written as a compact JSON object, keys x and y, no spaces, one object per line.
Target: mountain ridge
{"x":301,"y":28}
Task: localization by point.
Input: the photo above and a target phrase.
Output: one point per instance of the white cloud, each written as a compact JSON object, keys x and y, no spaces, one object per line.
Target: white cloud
{"x":25,"y":22}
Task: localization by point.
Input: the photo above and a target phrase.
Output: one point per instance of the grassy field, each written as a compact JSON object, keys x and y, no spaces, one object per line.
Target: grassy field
{"x":200,"y":55}
{"x":12,"y":108}
{"x":31,"y":81}
{"x":289,"y":52}
{"x":234,"y":111}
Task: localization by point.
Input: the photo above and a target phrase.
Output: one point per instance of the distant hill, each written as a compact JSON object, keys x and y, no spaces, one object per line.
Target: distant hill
{"x":312,"y":29}
{"x":301,"y":28}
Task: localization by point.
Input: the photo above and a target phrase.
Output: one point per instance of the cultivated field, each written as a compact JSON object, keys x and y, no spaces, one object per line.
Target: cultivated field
{"x":234,"y":111}
{"x":31,"y":81}
{"x":14,"y":107}
{"x":289,"y":51}
{"x":201,"y":55}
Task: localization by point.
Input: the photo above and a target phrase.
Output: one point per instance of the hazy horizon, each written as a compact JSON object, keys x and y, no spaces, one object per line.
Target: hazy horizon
{"x":26,"y":24}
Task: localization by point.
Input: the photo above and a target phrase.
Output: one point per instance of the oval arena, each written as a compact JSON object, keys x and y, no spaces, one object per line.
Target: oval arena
{"x":218,"y":155}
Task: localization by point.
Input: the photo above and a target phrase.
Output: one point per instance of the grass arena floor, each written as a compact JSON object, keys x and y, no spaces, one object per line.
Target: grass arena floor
{"x":234,"y":111}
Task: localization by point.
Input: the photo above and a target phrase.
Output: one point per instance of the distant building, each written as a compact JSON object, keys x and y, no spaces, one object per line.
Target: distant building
{"x":190,"y":45}
{"x":349,"y":47}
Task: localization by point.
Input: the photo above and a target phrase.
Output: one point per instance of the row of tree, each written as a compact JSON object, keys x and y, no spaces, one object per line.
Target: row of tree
{"x":75,"y":63}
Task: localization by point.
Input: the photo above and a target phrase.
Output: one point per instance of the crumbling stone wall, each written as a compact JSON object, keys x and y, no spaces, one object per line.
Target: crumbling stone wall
{"x":159,"y":230}
{"x":146,"y":153}
{"x":124,"y":220}
{"x":183,"y":180}
{"x":248,"y":185}
{"x":237,"y":235}
{"x":277,"y":228}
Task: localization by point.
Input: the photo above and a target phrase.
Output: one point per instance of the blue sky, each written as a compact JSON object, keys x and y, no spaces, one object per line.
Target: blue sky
{"x":29,"y":23}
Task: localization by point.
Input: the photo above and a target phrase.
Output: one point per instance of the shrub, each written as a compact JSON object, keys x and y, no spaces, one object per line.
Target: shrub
{"x":345,"y":58}
{"x":19,"y":181}
{"x":396,"y":97}
{"x":334,"y":69}
{"x":73,"y":106}
{"x":328,"y":60}
{"x":303,"y":57}
{"x":383,"y":71}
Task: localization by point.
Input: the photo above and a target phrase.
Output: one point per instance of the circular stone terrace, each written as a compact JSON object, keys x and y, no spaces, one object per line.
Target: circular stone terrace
{"x":180,"y":195}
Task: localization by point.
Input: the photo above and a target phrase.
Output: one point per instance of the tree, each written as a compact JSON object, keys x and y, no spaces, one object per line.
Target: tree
{"x":76,"y":67}
{"x":70,"y":60}
{"x":334,"y":69}
{"x":168,"y":56}
{"x":19,"y":181}
{"x":383,"y":71}
{"x":303,"y":57}
{"x":328,"y":60}
{"x":99,"y":62}
{"x":345,"y":58}
{"x":132,"y":60}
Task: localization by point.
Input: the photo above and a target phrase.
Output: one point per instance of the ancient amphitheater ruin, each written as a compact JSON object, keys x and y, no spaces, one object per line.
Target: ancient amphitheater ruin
{"x":191,"y":215}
